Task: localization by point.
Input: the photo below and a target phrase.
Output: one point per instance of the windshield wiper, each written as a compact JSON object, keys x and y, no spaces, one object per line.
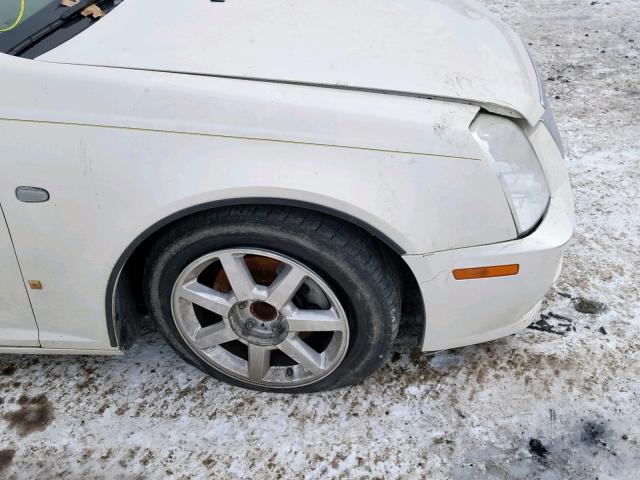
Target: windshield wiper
{"x":67,"y":16}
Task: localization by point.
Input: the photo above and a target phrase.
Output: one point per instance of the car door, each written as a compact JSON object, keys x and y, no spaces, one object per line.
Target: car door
{"x":17,"y":325}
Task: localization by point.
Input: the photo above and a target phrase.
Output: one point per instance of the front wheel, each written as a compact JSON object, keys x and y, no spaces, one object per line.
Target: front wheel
{"x":274,"y":298}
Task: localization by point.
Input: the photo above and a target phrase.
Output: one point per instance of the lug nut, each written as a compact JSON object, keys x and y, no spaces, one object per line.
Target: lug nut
{"x":289,"y":372}
{"x":242,"y":305}
{"x":250,"y":323}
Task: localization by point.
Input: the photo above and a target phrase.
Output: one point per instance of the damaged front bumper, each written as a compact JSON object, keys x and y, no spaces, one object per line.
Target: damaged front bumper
{"x":466,"y":312}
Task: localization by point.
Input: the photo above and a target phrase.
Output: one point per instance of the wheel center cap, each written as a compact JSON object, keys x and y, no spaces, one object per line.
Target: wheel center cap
{"x":263,"y":311}
{"x":258,"y":323}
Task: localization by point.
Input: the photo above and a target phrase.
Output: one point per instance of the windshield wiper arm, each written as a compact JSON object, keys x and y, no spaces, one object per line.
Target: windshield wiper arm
{"x":63,"y":19}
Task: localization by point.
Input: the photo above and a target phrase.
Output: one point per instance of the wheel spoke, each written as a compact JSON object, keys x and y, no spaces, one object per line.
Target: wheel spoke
{"x":285,"y":286}
{"x":206,"y":297}
{"x":314,"y":321}
{"x":259,"y":361}
{"x":238,"y":275}
{"x":214,"y":335}
{"x":302,"y":353}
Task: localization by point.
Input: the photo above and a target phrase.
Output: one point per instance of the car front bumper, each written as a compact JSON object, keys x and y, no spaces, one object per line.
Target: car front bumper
{"x":466,"y":312}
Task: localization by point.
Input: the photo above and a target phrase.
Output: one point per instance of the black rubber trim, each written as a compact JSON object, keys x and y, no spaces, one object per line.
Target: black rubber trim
{"x":111,"y":285}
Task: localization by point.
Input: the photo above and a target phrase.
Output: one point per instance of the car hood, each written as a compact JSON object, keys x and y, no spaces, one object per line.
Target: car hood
{"x":449,"y":49}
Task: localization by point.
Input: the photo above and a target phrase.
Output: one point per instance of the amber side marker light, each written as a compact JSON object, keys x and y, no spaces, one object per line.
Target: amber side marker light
{"x":486,"y":272}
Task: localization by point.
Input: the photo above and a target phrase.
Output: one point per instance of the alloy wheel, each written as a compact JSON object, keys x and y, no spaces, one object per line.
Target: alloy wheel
{"x":260,"y":317}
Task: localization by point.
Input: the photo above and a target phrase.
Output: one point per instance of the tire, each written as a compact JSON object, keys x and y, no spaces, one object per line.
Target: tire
{"x":349,"y":298}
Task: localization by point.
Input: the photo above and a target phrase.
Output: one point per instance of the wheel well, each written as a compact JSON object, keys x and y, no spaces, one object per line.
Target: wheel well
{"x":126,"y":308}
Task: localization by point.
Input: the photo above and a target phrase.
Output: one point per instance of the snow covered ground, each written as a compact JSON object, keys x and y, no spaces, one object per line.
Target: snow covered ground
{"x":559,"y":402}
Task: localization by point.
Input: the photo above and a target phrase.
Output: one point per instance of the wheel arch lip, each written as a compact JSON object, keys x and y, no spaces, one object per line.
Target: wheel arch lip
{"x":116,"y":272}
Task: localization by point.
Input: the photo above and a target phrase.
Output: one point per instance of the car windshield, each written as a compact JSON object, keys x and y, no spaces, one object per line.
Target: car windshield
{"x":14,"y":12}
{"x":29,"y":28}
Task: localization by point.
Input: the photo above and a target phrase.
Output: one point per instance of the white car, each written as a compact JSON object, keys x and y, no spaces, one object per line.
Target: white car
{"x":273,"y":181}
